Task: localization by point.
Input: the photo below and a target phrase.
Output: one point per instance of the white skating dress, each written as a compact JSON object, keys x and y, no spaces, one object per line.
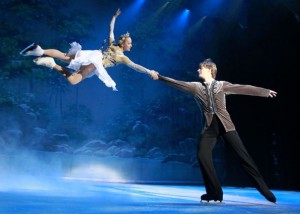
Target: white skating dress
{"x":85,"y":57}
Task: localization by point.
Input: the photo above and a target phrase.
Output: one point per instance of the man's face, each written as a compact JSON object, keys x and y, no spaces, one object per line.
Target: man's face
{"x":203,"y":72}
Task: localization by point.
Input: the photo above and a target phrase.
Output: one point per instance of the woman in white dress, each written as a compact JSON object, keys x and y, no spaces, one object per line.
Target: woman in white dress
{"x":87,"y":63}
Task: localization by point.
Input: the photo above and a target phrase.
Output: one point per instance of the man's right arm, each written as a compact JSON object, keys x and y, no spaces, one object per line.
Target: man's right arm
{"x":188,"y":87}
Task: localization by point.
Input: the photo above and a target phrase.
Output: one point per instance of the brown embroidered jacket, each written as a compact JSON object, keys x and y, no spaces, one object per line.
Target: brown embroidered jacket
{"x":213,"y":98}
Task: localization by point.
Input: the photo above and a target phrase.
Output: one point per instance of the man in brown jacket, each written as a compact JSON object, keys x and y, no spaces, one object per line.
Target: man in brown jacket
{"x":211,"y":96}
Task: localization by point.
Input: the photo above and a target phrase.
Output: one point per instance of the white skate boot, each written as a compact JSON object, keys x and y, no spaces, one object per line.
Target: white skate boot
{"x":32,"y":50}
{"x":45,"y":61}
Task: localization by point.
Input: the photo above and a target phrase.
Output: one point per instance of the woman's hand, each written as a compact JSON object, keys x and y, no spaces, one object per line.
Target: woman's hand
{"x":117,"y":13}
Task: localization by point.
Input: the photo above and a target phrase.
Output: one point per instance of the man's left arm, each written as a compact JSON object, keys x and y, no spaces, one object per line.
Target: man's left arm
{"x":250,"y":90}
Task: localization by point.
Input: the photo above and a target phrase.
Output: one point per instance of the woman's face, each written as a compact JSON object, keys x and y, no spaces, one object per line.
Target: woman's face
{"x":127,"y":44}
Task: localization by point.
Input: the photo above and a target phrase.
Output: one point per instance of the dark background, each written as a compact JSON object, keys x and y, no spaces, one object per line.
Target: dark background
{"x":252,"y":42}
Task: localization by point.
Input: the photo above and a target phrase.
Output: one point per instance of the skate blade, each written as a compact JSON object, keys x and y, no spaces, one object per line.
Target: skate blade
{"x":26,"y":49}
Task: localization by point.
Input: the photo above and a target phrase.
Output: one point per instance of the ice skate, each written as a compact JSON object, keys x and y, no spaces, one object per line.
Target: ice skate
{"x":45,"y":61}
{"x":268,"y":195}
{"x":32,"y":50}
{"x":211,"y":197}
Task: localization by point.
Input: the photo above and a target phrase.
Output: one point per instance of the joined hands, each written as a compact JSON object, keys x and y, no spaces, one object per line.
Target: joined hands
{"x":154,"y":75}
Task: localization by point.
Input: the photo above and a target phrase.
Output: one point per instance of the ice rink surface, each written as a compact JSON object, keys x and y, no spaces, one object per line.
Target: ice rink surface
{"x":73,"y":196}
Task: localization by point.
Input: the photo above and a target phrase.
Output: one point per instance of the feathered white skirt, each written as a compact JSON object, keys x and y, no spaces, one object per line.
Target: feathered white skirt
{"x":85,"y":57}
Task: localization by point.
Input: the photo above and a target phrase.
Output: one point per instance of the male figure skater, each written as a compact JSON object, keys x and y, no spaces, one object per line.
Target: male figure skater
{"x":211,"y":95}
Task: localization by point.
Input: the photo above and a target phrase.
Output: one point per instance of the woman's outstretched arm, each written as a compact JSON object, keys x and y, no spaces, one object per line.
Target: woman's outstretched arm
{"x":139,"y":68}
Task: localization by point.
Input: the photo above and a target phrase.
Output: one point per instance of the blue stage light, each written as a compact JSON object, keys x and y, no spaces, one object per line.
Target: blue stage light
{"x":183,"y":17}
{"x":136,"y":6}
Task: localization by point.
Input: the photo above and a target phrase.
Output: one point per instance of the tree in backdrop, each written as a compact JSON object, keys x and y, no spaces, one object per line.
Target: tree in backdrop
{"x":54,"y":24}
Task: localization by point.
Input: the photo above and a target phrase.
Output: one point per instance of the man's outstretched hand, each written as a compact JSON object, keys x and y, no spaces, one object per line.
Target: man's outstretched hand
{"x":272,"y":94}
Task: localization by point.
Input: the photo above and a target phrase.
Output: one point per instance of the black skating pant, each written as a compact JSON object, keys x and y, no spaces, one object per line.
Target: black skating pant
{"x":204,"y":155}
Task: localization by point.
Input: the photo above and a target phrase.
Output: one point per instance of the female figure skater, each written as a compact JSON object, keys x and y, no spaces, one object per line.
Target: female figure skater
{"x":87,"y":63}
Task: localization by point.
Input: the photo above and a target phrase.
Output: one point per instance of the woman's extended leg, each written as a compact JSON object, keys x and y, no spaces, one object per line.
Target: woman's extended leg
{"x":80,"y":75}
{"x":36,"y":50}
{"x":58,"y":54}
{"x":74,"y":77}
{"x":50,"y":63}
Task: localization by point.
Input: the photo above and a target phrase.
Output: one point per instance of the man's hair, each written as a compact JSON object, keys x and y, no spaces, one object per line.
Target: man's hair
{"x":122,"y":38}
{"x":208,"y":63}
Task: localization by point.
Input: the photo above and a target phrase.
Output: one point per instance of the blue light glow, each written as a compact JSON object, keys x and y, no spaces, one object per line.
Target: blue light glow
{"x":136,"y":6}
{"x":133,"y":9}
{"x":183,"y":17}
